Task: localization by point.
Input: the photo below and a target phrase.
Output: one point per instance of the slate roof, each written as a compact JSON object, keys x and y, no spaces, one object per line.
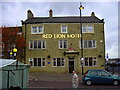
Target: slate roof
{"x":70,"y":19}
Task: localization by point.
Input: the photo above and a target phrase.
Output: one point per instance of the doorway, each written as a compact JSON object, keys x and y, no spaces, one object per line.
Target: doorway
{"x":71,"y":65}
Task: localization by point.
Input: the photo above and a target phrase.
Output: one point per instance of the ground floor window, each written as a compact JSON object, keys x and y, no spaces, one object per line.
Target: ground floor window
{"x":40,"y":62}
{"x":58,"y":62}
{"x":90,"y":61}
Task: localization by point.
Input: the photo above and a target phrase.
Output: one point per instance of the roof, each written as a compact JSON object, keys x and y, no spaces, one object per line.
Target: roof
{"x":70,"y":19}
{"x":6,"y":62}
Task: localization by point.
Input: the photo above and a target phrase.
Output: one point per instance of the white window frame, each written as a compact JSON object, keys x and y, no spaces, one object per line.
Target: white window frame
{"x":37,"y":29}
{"x":89,"y":61}
{"x":56,"y":62}
{"x":87,"y":47}
{"x":94,"y":43}
{"x":42,"y":44}
{"x":87,"y":30}
{"x":30,"y":42}
{"x":42,"y":29}
{"x":63,"y":44}
{"x":42,"y":41}
{"x":53,"y":62}
{"x":32,"y":59}
{"x":42,"y":62}
{"x":63,"y":61}
{"x":65,"y":29}
{"x":36,"y":44}
{"x":32,"y":30}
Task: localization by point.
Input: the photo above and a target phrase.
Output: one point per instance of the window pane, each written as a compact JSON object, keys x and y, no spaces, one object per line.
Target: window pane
{"x":35,"y":61}
{"x":58,"y":61}
{"x":64,"y":28}
{"x":90,"y":28}
{"x":85,"y":43}
{"x":65,"y":44}
{"x":60,"y":44}
{"x":54,"y":61}
{"x":31,"y":44}
{"x":89,"y":44}
{"x":43,"y":62}
{"x":39,"y":44}
{"x":35,"y":44}
{"x":90,"y":61}
{"x":40,"y":29}
{"x":39,"y":61}
{"x":103,"y":73}
{"x":94,"y":44}
{"x":93,"y":73}
{"x":43,"y":44}
{"x":34,"y":29}
{"x":31,"y":63}
{"x":94,"y":61}
{"x":84,"y":29}
{"x":62,"y":61}
{"x":86,"y":61}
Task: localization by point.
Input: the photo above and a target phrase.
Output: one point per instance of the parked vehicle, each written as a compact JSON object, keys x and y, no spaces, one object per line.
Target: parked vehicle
{"x":100,"y":77}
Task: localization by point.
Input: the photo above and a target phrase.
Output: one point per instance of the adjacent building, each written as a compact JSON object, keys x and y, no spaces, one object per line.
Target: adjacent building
{"x":53,"y":44}
{"x":1,"y":45}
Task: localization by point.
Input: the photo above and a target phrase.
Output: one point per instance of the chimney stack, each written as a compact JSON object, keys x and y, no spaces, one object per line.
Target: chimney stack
{"x":92,"y":14}
{"x":29,"y":14}
{"x":50,"y":13}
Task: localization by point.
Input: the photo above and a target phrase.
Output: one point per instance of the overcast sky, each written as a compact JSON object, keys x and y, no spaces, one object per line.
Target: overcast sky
{"x":14,"y":12}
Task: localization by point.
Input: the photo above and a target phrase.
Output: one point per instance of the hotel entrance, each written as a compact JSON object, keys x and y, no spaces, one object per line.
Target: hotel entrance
{"x":71,"y":53}
{"x":71,"y":64}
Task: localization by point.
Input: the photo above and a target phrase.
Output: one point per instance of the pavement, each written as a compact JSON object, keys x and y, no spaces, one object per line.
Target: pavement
{"x":52,"y":76}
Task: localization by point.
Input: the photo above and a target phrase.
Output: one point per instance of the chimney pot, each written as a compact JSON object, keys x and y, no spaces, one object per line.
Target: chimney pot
{"x":50,"y":13}
{"x":92,"y":14}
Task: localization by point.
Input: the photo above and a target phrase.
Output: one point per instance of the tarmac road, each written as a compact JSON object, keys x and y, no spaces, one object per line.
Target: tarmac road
{"x":62,"y":81}
{"x":38,"y":84}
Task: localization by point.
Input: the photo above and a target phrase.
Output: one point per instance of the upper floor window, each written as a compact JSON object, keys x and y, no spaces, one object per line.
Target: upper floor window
{"x":64,"y":29}
{"x":88,"y":44}
{"x":40,"y":29}
{"x":37,"y":44}
{"x":34,"y":29}
{"x":88,"y":29}
{"x":37,"y":30}
{"x":63,"y":44}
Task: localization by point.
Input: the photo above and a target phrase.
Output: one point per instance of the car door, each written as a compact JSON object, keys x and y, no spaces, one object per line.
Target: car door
{"x":93,"y":75}
{"x":104,"y":77}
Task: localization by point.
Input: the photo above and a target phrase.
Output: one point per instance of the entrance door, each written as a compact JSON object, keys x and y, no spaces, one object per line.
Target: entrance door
{"x":71,"y":65}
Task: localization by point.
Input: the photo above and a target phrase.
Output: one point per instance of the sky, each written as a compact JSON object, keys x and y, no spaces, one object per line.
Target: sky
{"x":13,"y":12}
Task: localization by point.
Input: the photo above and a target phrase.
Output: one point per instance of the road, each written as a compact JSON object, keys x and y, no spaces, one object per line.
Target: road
{"x":61,"y":81}
{"x":37,"y":84}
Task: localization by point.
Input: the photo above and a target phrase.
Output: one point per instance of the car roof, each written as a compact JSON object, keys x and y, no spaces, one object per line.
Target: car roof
{"x":96,"y":70}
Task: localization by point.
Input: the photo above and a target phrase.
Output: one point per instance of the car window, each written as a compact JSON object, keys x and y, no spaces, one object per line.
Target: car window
{"x":103,"y":73}
{"x":94,"y":73}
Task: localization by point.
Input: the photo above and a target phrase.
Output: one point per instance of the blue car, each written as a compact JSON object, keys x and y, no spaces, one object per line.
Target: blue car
{"x":100,"y":77}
